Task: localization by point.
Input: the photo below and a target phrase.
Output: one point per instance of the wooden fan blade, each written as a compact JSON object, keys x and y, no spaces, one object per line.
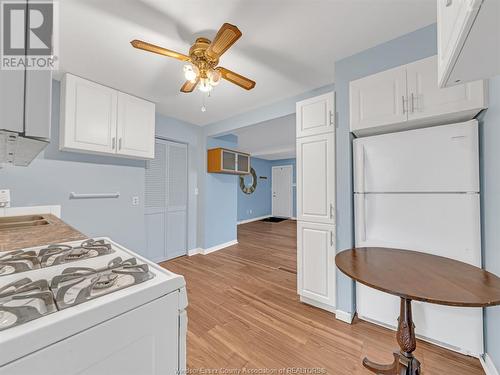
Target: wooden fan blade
{"x":189,"y":86}
{"x":236,"y":78}
{"x":139,"y":44}
{"x":226,"y":36}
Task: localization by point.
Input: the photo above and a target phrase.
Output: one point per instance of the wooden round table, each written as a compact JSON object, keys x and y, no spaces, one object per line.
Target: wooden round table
{"x":413,"y":275}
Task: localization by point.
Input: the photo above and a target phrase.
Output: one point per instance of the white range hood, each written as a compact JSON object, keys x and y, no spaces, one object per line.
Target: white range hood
{"x":16,"y":149}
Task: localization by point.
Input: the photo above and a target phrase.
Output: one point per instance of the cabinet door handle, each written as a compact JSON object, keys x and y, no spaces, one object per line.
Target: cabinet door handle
{"x":412,"y":103}
{"x":448,"y":2}
{"x":404,"y":108}
{"x":113,"y":143}
{"x":332,"y":122}
{"x":331,"y":210}
{"x":331,"y":238}
{"x":119,"y":144}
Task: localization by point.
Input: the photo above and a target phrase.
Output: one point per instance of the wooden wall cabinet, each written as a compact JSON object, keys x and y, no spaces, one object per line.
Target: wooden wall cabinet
{"x":222,"y":160}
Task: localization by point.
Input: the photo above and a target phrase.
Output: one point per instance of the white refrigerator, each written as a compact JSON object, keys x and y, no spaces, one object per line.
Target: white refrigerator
{"x":419,"y":190}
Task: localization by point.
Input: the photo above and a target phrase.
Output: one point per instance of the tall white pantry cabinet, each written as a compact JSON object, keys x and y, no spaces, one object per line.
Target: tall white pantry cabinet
{"x":316,"y":201}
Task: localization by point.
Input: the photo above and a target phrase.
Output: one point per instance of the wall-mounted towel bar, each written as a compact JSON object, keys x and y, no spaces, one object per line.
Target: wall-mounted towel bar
{"x":74,"y":195}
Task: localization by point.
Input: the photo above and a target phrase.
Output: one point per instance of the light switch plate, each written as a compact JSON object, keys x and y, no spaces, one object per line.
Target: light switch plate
{"x":4,"y":198}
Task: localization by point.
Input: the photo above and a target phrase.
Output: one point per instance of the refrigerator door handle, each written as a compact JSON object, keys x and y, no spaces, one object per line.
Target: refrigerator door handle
{"x":359,"y":167}
{"x":360,"y":218}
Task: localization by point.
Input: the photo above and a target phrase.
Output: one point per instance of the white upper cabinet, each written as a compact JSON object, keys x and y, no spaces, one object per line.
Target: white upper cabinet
{"x":316,"y":178}
{"x":88,"y":114}
{"x":468,"y":40}
{"x":98,"y":119}
{"x":427,"y":101}
{"x":379,"y":99}
{"x":316,"y":115}
{"x":136,"y":126}
{"x":408,"y":97}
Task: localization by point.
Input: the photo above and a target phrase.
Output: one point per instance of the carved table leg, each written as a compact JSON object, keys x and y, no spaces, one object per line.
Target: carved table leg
{"x":404,"y":361}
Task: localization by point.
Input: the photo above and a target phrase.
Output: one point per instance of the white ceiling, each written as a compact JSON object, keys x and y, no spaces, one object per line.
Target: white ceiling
{"x":271,"y":140}
{"x":288,"y":46}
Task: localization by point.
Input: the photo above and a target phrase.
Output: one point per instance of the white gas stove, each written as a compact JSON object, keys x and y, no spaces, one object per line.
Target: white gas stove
{"x":90,"y":307}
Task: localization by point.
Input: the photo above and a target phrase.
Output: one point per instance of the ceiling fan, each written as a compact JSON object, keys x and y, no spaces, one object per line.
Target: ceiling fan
{"x":203,"y":58}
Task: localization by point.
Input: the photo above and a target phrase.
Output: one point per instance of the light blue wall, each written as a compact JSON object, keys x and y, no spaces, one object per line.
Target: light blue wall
{"x":278,"y":109}
{"x":411,"y":47}
{"x":221,"y":202}
{"x":258,"y":203}
{"x":211,"y":231}
{"x":294,"y":187}
{"x":54,"y":174}
{"x":490,"y":186}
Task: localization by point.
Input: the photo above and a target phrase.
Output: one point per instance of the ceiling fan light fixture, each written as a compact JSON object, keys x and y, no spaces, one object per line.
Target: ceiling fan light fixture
{"x":214,"y":76}
{"x":190,"y":72}
{"x":205,"y":85}
{"x":202,"y":67}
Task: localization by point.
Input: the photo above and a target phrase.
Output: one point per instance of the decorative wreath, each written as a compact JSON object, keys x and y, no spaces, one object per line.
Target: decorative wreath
{"x":250,"y":188}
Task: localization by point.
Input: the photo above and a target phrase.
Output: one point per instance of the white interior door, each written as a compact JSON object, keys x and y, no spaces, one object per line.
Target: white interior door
{"x":166,"y":202}
{"x":282,"y":191}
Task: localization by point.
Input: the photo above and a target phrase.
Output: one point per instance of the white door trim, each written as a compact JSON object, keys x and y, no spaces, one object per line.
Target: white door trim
{"x":290,"y":188}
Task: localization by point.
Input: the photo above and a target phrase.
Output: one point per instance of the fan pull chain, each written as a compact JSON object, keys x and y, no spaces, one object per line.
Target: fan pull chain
{"x":204,"y":106}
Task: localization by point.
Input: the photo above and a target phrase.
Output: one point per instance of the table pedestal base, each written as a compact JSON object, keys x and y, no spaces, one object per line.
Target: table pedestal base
{"x":404,"y":361}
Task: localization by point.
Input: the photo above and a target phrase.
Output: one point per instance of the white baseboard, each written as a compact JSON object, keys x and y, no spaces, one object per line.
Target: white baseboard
{"x":344,"y":316}
{"x":202,"y":251}
{"x":319,"y":305}
{"x":488,"y":365}
{"x":253,"y":219}
{"x":195,"y":251}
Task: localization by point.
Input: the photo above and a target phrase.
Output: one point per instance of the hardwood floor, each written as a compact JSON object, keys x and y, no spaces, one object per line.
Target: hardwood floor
{"x":244,"y":312}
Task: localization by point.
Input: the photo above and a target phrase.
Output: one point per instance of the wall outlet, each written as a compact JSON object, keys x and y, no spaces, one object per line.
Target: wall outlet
{"x":196,"y":191}
{"x":4,"y":198}
{"x":135,"y":201}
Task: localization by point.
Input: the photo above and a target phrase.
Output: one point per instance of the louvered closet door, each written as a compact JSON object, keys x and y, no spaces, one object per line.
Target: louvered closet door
{"x":166,"y":202}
